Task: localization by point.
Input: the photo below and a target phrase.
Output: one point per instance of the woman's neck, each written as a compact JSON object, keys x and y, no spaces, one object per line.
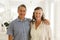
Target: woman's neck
{"x":37,"y":21}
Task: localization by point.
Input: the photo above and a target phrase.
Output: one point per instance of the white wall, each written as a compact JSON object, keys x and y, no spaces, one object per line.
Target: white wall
{"x":57,"y":20}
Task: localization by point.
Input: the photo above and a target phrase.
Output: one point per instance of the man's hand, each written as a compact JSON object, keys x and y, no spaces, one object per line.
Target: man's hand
{"x":10,"y":37}
{"x":47,"y":21}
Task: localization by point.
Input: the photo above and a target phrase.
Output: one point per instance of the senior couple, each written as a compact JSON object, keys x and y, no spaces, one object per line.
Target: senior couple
{"x":37,"y":28}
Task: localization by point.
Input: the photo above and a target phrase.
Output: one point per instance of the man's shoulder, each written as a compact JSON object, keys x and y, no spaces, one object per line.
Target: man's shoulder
{"x":28,"y":19}
{"x":13,"y":21}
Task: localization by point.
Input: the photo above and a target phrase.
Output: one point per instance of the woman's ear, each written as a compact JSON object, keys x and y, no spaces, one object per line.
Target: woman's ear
{"x":47,"y":22}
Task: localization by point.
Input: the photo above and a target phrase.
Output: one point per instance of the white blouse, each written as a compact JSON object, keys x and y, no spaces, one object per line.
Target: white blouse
{"x":41,"y":33}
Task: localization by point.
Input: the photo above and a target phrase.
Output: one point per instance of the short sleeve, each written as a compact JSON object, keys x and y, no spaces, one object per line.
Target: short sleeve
{"x":10,"y":29}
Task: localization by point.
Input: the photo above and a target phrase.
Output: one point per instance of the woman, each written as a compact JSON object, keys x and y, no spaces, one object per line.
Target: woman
{"x":40,"y":29}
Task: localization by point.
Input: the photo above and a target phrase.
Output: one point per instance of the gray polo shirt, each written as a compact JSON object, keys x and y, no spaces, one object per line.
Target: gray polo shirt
{"x":19,"y":29}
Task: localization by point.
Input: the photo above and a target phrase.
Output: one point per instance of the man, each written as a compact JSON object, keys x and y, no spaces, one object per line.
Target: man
{"x":19,"y":28}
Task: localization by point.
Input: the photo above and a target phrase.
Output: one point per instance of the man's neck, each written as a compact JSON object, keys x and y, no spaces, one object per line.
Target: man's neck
{"x":21,"y":18}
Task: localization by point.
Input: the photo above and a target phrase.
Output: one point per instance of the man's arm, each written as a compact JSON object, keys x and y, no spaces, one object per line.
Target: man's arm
{"x":10,"y":37}
{"x":10,"y":31}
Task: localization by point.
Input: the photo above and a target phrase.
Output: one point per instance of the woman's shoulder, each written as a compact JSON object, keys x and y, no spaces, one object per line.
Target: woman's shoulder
{"x":32,"y":23}
{"x":46,"y":25}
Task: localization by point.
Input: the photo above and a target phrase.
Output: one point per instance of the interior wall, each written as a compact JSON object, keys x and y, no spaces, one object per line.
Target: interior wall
{"x":57,"y":20}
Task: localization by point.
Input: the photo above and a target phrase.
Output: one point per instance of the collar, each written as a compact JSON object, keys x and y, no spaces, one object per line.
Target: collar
{"x":19,"y":20}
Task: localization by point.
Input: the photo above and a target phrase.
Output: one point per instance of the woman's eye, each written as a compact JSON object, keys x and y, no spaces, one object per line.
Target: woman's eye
{"x":35,"y":13}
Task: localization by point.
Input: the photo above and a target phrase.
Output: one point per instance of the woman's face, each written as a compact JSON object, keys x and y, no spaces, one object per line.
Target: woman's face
{"x":38,"y":14}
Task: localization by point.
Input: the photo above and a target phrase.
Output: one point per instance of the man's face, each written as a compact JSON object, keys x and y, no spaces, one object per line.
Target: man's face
{"x":22,"y":12}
